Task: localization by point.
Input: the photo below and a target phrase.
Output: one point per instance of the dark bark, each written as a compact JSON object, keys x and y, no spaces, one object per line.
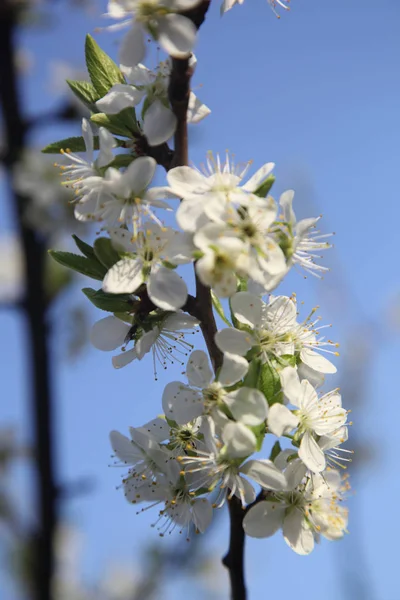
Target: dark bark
{"x":34,"y":307}
{"x":202,"y":307}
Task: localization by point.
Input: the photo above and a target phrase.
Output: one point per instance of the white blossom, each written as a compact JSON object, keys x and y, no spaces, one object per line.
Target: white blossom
{"x":149,"y":249}
{"x":183,"y":403}
{"x":311,"y":509}
{"x":125,"y":197}
{"x":214,"y":187}
{"x":228,"y":4}
{"x":159,"y":122}
{"x":165,"y":339}
{"x":224,"y":464}
{"x":175,"y":33}
{"x":273,"y":329}
{"x":305,"y":240}
{"x":83,"y":174}
{"x":320,"y":416}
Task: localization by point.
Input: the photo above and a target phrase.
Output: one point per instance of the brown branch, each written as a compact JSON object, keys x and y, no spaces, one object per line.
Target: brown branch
{"x":179,"y":90}
{"x":34,"y":305}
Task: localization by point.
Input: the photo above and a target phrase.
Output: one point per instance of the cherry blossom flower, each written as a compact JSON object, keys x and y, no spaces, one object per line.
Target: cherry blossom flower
{"x":311,"y":509}
{"x":165,"y":339}
{"x":149,"y":249}
{"x":175,"y":33}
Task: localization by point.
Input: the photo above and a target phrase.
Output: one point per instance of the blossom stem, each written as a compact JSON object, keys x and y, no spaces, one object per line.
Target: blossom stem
{"x":234,"y":559}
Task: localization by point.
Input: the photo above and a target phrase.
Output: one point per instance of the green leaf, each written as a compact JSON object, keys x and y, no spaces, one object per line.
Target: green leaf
{"x":120,"y":124}
{"x":105,"y":252}
{"x":259,"y":431}
{"x":103,"y":71}
{"x":115,"y":303}
{"x":253,"y":374}
{"x":122,"y":160}
{"x":276,"y":449}
{"x":85,"y":92}
{"x":75,"y":144}
{"x":285,"y":360}
{"x":269,"y":384}
{"x":219,"y":308}
{"x":85,"y":248}
{"x":87,"y":266}
{"x":265,"y":187}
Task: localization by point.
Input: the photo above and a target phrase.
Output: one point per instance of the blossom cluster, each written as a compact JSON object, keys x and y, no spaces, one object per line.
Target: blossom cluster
{"x":263,"y":392}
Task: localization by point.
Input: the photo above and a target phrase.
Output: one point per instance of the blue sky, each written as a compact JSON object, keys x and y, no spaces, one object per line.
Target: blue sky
{"x":318,"y":93}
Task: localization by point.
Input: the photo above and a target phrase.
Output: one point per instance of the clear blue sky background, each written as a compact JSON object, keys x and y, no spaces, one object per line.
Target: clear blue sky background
{"x":317,"y":92}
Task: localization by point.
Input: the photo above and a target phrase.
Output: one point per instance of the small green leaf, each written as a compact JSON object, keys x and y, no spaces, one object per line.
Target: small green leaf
{"x":270,"y":384}
{"x":115,"y":303}
{"x":253,"y":374}
{"x":219,"y":308}
{"x":265,"y":187}
{"x":103,"y":71}
{"x":122,"y":160}
{"x":119,"y":124}
{"x":85,"y":92}
{"x":285,"y":360}
{"x":105,"y":252}
{"x":276,"y":449}
{"x":259,"y":431}
{"x":87,"y":266}
{"x":85,"y":248}
{"x":75,"y":144}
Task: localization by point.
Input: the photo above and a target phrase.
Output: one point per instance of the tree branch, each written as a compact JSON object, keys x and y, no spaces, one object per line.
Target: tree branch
{"x":34,"y":306}
{"x":179,"y":91}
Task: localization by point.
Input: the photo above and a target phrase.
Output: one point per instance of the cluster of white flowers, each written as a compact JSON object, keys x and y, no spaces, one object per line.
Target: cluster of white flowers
{"x":265,"y":390}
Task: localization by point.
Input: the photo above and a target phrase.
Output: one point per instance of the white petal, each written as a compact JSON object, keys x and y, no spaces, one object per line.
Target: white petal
{"x":123,"y":448}
{"x":311,"y":454}
{"x":258,"y":178}
{"x":247,"y":308}
{"x":139,"y":174}
{"x":291,"y":385}
{"x":197,"y":111}
{"x":109,"y":333}
{"x":247,"y":405}
{"x":176,"y":35}
{"x":297,"y":533}
{"x":281,"y":420}
{"x":107,"y":143}
{"x":264,"y":519}
{"x":316,"y":361}
{"x":198,"y":370}
{"x":180,"y":249}
{"x":159,"y":123}
{"x":145,"y":342}
{"x":234,"y":341}
{"x":133,"y":47}
{"x":202,"y":514}
{"x":190,"y":215}
{"x":233,"y":369}
{"x":265,"y":473}
{"x":157,"y":428}
{"x":187,"y":181}
{"x":286,"y":201}
{"x":166,"y":289}
{"x":119,"y":97}
{"x":87,"y":134}
{"x":178,"y":321}
{"x":124,"y":277}
{"x":123,"y":359}
{"x":239,"y":440}
{"x":181,"y":403}
{"x":294,"y":473}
